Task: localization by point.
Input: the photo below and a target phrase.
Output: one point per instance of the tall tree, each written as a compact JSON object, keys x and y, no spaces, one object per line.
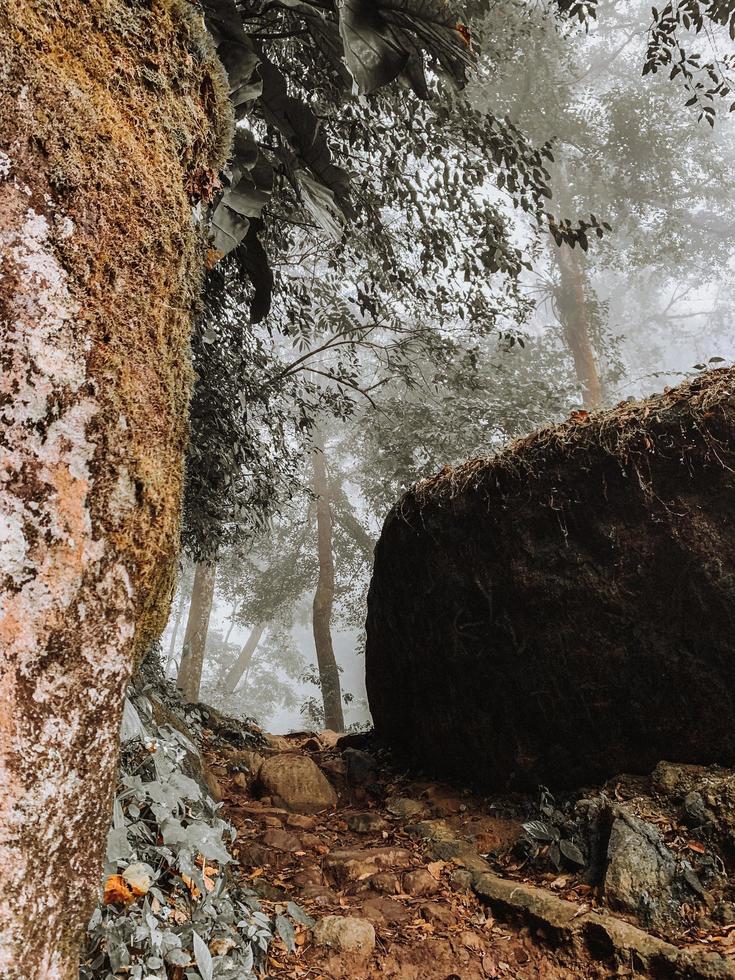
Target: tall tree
{"x":574,"y":314}
{"x":189,"y":676}
{"x":235,"y":673}
{"x":101,"y":265}
{"x":324,"y":597}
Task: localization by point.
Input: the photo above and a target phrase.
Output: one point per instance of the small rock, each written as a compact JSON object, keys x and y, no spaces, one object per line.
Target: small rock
{"x":281,"y":840}
{"x":461,"y":880}
{"x":346,"y":933}
{"x":366,"y":823}
{"x":300,"y":821}
{"x":404,"y":808}
{"x":270,"y":821}
{"x":384,"y":883}
{"x":360,"y":767}
{"x":298,"y":782}
{"x":419,"y":883}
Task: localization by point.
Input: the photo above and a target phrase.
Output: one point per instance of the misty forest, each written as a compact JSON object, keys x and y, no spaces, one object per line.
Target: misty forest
{"x":367,"y":489}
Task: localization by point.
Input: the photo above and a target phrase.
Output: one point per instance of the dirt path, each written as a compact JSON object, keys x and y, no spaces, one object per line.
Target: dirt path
{"x":364,"y":861}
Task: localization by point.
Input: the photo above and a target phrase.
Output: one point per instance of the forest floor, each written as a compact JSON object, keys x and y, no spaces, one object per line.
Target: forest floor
{"x":428,"y":882}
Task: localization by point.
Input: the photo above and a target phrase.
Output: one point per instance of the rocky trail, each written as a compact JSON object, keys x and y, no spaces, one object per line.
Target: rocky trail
{"x":374,"y":873}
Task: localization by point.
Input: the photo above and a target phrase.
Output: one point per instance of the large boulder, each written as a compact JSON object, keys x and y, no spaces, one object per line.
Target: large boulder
{"x":565,"y":610}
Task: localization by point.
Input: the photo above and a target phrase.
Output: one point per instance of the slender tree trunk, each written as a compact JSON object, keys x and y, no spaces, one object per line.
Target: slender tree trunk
{"x":573,"y":306}
{"x":100,"y":270}
{"x":234,"y":674}
{"x":575,"y":322}
{"x":232,"y":624}
{"x":324,"y":599}
{"x":175,"y":631}
{"x":197,"y":627}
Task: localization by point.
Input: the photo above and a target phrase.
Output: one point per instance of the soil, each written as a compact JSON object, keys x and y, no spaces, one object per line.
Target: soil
{"x":404,"y":853}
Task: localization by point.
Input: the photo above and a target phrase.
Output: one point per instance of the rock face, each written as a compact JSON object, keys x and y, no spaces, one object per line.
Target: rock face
{"x":297,"y":782}
{"x":564,"y":611}
{"x":641,"y":872}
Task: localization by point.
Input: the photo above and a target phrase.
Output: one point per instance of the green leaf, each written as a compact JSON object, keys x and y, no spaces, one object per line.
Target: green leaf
{"x":373,"y":54}
{"x":286,"y":931}
{"x":202,"y":956}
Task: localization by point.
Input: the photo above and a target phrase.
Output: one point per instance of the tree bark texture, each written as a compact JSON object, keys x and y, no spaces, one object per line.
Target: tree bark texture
{"x":324,"y":599}
{"x":111,"y":111}
{"x":197,"y":627}
{"x":575,"y":323}
{"x":565,"y":611}
{"x":234,"y":674}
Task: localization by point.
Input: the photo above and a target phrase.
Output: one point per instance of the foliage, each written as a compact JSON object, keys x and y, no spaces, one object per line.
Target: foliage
{"x":704,"y":81}
{"x":170,"y":906}
{"x":267,"y":684}
{"x":556,"y":838}
{"x":167,"y":837}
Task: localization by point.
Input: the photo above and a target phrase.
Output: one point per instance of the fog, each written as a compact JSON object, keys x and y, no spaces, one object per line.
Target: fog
{"x":644,"y":304}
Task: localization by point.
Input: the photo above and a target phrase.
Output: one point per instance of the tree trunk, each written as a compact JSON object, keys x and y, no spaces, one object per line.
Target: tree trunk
{"x":101,"y":268}
{"x":324,"y":599}
{"x":230,"y":628}
{"x":575,"y":322}
{"x":175,"y":631}
{"x":197,"y":627}
{"x":242,"y":663}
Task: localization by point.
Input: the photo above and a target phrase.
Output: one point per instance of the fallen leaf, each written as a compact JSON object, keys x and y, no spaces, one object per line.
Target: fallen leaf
{"x":695,"y":846}
{"x":137,"y":878}
{"x":195,"y":893}
{"x":117,"y":891}
{"x":436,"y":868}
